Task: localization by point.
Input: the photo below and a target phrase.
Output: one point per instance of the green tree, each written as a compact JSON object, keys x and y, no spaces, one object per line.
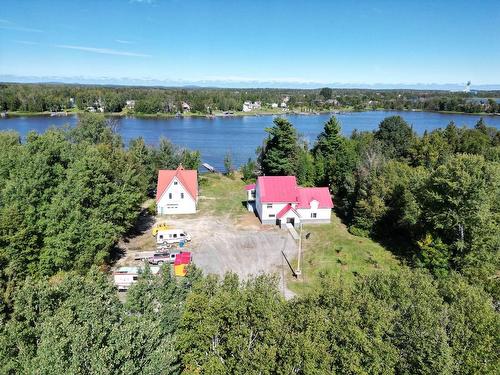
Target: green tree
{"x":228,"y":163}
{"x":280,"y":153}
{"x":396,"y":135}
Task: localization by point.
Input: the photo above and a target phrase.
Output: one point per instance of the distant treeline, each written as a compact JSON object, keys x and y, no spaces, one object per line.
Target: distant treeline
{"x":152,"y":100}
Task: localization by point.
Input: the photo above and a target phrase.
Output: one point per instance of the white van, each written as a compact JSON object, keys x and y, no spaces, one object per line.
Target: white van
{"x":172,"y":236}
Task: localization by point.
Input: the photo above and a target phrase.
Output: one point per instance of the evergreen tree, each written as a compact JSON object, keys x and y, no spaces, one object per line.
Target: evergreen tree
{"x":279,"y":156}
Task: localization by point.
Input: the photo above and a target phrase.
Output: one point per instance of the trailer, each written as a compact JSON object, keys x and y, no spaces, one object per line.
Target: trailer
{"x":124,"y":277}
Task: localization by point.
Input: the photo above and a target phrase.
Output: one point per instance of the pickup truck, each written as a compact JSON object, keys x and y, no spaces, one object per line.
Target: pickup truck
{"x":160,"y":258}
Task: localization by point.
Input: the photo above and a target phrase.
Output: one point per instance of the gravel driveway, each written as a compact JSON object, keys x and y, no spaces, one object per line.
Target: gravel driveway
{"x":221,"y":244}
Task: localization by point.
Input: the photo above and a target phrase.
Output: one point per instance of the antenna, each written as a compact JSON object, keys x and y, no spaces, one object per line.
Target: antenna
{"x":467,"y":86}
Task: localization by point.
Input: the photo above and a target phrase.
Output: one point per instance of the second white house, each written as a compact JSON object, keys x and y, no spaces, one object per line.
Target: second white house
{"x":279,"y":200}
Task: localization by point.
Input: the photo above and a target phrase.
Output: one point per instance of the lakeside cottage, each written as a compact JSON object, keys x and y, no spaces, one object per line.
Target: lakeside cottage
{"x":177,"y":191}
{"x":279,"y":200}
{"x":250,"y":106}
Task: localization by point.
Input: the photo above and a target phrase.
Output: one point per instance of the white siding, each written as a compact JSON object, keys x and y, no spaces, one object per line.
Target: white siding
{"x":176,"y":200}
{"x":323,"y":215}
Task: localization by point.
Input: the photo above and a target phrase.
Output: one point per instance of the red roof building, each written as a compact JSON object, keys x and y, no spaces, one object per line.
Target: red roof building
{"x":278,"y":200}
{"x":177,"y":191}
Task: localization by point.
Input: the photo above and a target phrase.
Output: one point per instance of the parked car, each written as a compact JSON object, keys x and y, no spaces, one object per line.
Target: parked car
{"x":172,"y":236}
{"x":160,"y":258}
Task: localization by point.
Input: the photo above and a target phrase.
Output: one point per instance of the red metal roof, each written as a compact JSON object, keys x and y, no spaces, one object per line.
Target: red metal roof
{"x":278,"y":189}
{"x":188,"y":179}
{"x":320,"y":194}
{"x":285,"y":209}
{"x":250,"y":187}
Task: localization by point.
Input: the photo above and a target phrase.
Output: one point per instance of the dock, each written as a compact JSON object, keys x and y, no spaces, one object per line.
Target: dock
{"x":209,"y":167}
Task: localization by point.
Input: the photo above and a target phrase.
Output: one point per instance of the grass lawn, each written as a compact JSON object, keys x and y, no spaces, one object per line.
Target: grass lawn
{"x":221,"y":195}
{"x":332,"y":250}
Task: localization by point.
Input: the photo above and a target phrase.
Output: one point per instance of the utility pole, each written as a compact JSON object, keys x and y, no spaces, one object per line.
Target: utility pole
{"x":298,"y":272}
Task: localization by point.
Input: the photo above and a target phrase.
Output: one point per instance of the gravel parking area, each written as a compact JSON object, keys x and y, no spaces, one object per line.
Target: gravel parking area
{"x":222,"y":245}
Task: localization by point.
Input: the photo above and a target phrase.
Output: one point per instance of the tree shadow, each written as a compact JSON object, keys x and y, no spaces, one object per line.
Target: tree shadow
{"x":143,"y":224}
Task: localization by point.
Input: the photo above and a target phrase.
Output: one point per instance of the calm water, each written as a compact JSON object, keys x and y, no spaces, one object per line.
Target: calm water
{"x":241,"y":135}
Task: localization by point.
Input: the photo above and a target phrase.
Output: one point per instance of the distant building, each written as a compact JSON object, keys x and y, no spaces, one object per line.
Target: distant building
{"x":274,"y":105}
{"x":283,"y":105}
{"x":250,"y":106}
{"x":186,"y":107}
{"x":333,"y":102}
{"x":130,"y":104}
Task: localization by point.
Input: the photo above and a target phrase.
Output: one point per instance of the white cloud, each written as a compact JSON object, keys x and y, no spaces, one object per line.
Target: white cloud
{"x":6,"y":25}
{"x":122,"y":41}
{"x":104,"y":51}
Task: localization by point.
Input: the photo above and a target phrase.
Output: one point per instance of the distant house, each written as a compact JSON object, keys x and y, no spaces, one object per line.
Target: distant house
{"x":130,"y":104}
{"x":278,"y":200}
{"x":177,"y":191}
{"x":186,"y":107}
{"x":283,"y":105}
{"x":250,"y":106}
{"x":334,"y":102}
{"x":274,"y":105}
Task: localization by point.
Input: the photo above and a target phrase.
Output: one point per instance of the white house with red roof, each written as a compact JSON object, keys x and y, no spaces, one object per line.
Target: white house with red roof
{"x":279,"y":200}
{"x":177,"y":191}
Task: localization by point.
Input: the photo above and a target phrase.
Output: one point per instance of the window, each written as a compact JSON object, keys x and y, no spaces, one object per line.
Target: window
{"x":313,"y":215}
{"x":272,"y":215}
{"x":175,"y":182}
{"x":169,"y":195}
{"x":270,"y":205}
{"x":134,"y":278}
{"x":182,"y":195}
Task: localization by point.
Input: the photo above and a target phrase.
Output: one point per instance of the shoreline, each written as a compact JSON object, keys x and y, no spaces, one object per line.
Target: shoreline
{"x":233,"y":114}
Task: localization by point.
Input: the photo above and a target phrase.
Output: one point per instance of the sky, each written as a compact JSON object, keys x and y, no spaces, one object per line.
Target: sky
{"x":260,"y":43}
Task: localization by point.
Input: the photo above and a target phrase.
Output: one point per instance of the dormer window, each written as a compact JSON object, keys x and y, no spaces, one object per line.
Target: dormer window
{"x":175,"y":182}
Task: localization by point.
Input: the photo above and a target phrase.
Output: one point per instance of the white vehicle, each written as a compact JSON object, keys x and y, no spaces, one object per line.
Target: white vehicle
{"x":172,"y":236}
{"x":124,"y":277}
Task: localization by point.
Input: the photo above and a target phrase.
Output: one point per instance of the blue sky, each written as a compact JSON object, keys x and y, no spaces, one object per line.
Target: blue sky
{"x":189,"y":41}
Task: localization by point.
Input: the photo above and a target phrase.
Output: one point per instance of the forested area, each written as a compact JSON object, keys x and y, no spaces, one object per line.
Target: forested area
{"x":68,"y":195}
{"x":434,"y":200}
{"x":154,"y":100}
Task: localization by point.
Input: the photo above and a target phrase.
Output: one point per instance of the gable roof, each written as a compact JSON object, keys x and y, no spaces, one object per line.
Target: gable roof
{"x":188,"y":178}
{"x":278,"y":189}
{"x":285,"y":209}
{"x":250,"y":187}
{"x":320,"y":194}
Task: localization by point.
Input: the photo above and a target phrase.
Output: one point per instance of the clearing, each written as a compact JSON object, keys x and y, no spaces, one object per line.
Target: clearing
{"x":332,"y":250}
{"x":225,"y":236}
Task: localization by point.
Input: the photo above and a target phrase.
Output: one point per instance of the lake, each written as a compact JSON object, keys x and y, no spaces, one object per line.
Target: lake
{"x":241,"y":135}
